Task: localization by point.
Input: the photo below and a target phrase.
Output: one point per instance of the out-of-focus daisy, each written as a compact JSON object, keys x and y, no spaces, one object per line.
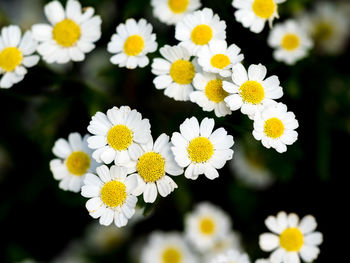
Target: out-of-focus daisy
{"x":172,"y":11}
{"x":231,"y":256}
{"x":200,"y":29}
{"x":218,"y":58}
{"x":72,"y":32}
{"x":175,"y":72}
{"x":73,"y":163}
{"x":254,"y":13}
{"x":290,"y":41}
{"x":118,"y":135}
{"x":291,"y":238}
{"x":275,"y":127}
{"x":16,"y":54}
{"x":131,"y":44}
{"x":167,"y":248}
{"x":261,"y":260}
{"x":251,"y":91}
{"x":201,"y":149}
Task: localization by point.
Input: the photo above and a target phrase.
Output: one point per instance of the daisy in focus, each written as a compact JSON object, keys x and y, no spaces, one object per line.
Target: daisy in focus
{"x":73,"y":163}
{"x":200,"y":28}
{"x":291,"y":238}
{"x":231,"y":256}
{"x":250,"y":90}
{"x":72,"y":33}
{"x":290,"y":41}
{"x":200,"y":149}
{"x":131,"y":44}
{"x":254,"y":13}
{"x":172,"y":11}
{"x":110,"y":195}
{"x":16,"y":54}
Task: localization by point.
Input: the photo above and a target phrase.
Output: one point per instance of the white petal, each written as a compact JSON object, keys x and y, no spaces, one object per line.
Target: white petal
{"x":307,"y":224}
{"x":268,"y":242}
{"x":150,"y":193}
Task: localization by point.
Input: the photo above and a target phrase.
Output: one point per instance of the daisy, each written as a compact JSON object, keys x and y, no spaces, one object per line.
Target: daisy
{"x":118,"y":135}
{"x":291,"y":42}
{"x":251,"y":91}
{"x":175,"y":72}
{"x":132,"y":42}
{"x":199,"y":29}
{"x":231,"y":256}
{"x":218,"y":58}
{"x":291,"y":238}
{"x":209,"y":93}
{"x":73,"y":163}
{"x":110,"y":195}
{"x":200,"y":149}
{"x":275,"y":127}
{"x":16,"y":54}
{"x":172,"y":11}
{"x":167,"y":248}
{"x":72,"y":32}
{"x":261,"y":260}
{"x":254,"y":13}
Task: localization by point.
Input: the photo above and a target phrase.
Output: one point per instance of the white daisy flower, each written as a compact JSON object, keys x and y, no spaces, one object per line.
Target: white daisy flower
{"x":172,"y":11}
{"x":290,"y":41}
{"x":118,"y":135}
{"x":200,"y":29}
{"x":261,"y":260}
{"x":275,"y":127}
{"x":167,"y":248}
{"x":16,"y":54}
{"x":110,"y":195}
{"x":206,"y":225}
{"x":209,"y":93}
{"x":231,"y":256}
{"x":131,"y":44}
{"x":291,"y":238}
{"x":254,"y":13}
{"x":72,"y":32}
{"x":73,"y":163}
{"x":175,"y":72}
{"x":251,"y":91}
{"x":200,"y":149}
{"x":218,"y":58}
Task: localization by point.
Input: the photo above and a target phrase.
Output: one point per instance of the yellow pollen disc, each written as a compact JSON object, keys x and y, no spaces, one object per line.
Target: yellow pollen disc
{"x":134,"y":45}
{"x":182,"y":72}
{"x":151,"y":166}
{"x":323,"y":31}
{"x":119,"y":137}
{"x":207,"y":226}
{"x":78,"y":163}
{"x":273,"y":128}
{"x":200,"y":150}
{"x":290,"y":42}
{"x":214,"y":91}
{"x":66,"y":33}
{"x":10,"y":58}
{"x":178,"y":6}
{"x":201,"y":35}
{"x":291,"y":239}
{"x":171,"y":255}
{"x":252,"y":92}
{"x":113,"y":193}
{"x":264,"y":8}
{"x":220,"y":61}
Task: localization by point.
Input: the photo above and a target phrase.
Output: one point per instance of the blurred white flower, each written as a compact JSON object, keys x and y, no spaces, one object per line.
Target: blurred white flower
{"x":231,"y":256}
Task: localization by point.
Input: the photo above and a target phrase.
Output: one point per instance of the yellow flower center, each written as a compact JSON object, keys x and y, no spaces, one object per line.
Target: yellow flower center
{"x":66,"y":33}
{"x":323,"y":31}
{"x":113,"y":193}
{"x":252,"y":92}
{"x":291,"y":239}
{"x":264,"y":8}
{"x":119,"y":137}
{"x":220,"y":61}
{"x":151,"y":166}
{"x":273,"y":128}
{"x":214,"y":91}
{"x":178,"y":6}
{"x":290,"y":42}
{"x":207,"y":226}
{"x":171,"y":255}
{"x":78,"y":163}
{"x":201,"y":35}
{"x":10,"y":58}
{"x":134,"y":45}
{"x":200,"y":150}
{"x":182,"y":71}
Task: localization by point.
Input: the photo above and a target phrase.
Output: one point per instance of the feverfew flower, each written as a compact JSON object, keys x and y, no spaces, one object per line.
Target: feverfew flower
{"x":231,"y":256}
{"x":72,"y":32}
{"x":291,"y":238}
{"x":132,"y":42}
{"x":16,"y":54}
